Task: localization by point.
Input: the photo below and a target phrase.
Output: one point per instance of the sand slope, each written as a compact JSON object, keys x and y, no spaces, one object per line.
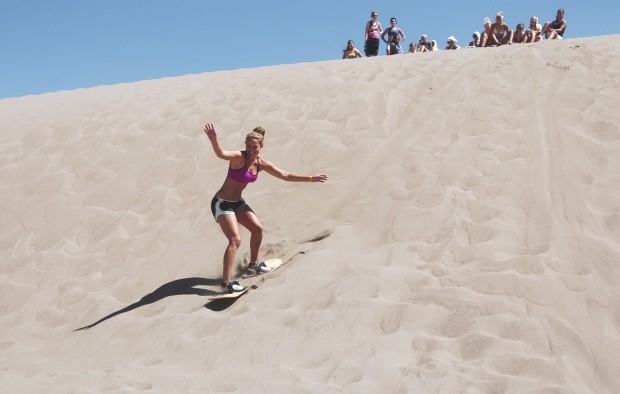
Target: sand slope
{"x":468,"y":238}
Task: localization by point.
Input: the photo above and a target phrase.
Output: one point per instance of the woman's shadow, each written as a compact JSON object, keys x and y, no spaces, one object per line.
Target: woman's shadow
{"x":185,"y":286}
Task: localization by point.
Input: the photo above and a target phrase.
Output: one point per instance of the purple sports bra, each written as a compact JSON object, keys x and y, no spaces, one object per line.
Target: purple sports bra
{"x":242,"y":175}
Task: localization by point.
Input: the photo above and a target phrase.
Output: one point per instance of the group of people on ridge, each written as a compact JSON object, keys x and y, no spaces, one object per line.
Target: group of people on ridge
{"x":494,"y":34}
{"x":499,"y":33}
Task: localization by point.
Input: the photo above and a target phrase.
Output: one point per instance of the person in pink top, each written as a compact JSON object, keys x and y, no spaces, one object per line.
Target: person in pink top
{"x":230,"y":209}
{"x":373,"y":32}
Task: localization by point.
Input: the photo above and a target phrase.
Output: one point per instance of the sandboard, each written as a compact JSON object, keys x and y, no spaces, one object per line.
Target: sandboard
{"x":272,"y":263}
{"x":224,"y":296}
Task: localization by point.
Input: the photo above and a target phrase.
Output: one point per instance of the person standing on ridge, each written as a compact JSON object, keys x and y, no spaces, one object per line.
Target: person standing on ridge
{"x":392,"y":31}
{"x":372,"y":34}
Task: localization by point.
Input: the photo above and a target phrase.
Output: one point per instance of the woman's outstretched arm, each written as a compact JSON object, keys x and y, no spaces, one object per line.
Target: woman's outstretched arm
{"x":289,"y":176}
{"x":219,"y":152}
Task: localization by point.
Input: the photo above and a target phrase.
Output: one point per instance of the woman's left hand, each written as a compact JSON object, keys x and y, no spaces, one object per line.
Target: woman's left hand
{"x":319,"y":178}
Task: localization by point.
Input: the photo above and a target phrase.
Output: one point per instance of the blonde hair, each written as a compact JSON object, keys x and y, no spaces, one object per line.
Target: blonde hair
{"x":258,"y":133}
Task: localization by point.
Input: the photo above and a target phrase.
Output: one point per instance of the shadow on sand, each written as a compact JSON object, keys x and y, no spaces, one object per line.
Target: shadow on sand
{"x":176,"y":287}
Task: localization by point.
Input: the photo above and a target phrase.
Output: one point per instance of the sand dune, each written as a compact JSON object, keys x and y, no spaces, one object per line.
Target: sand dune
{"x":468,"y":238}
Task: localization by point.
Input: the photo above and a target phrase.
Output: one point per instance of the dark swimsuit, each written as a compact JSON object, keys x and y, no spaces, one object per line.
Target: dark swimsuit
{"x":556,"y":25}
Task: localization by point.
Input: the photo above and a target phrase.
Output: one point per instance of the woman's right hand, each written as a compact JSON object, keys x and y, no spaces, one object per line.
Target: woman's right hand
{"x":210,"y":131}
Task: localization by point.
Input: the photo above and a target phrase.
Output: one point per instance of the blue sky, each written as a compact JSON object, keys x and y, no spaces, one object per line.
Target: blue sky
{"x":51,"y":45}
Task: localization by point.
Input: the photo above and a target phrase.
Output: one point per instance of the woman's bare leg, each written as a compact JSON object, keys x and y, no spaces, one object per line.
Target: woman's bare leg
{"x":230,"y":228}
{"x":507,"y":38}
{"x":484,"y":40}
{"x":248,"y":219}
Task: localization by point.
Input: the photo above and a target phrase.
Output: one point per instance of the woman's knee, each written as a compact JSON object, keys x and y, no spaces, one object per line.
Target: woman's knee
{"x":257,"y":230}
{"x":234,"y":241}
{"x":252,"y":223}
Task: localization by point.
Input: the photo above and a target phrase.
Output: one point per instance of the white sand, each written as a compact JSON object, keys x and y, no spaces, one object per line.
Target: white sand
{"x":468,"y":238}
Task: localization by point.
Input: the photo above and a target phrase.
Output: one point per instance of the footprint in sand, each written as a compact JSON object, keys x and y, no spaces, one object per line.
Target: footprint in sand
{"x":429,"y":197}
{"x":603,"y":131}
{"x":150,"y":362}
{"x":477,"y":233}
{"x":392,"y":319}
{"x":480,"y":213}
{"x":6,"y":344}
{"x":345,"y":375}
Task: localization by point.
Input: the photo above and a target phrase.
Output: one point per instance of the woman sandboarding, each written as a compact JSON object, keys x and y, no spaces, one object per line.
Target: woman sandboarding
{"x":230,"y":209}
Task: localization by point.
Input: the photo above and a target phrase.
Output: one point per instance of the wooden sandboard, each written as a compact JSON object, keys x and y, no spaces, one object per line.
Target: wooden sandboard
{"x":224,"y":296}
{"x":274,"y":264}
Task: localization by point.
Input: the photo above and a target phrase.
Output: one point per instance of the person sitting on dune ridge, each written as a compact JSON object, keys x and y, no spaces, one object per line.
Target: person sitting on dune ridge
{"x":532,"y":33}
{"x":476,"y":40}
{"x":555,"y":30}
{"x":500,"y":32}
{"x":395,"y":48}
{"x":423,"y":44}
{"x":351,"y":52}
{"x":452,"y":44}
{"x":519,"y":36}
{"x":486,"y":33}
